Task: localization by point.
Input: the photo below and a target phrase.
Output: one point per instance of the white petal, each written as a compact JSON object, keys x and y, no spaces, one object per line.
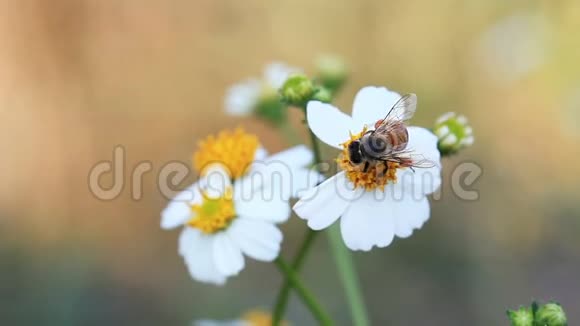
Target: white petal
{"x":329,"y":124}
{"x":257,"y":239}
{"x":373,"y":103}
{"x":442,"y":131}
{"x":196,"y":249}
{"x":297,"y":156}
{"x":467,"y":141}
{"x":283,"y":174}
{"x":259,"y":158}
{"x":410,"y":214}
{"x":324,"y":204}
{"x":278,"y":181}
{"x":261,"y":154}
{"x":215,"y":180}
{"x":276,"y":74}
{"x":228,"y":256}
{"x":368,"y":222}
{"x":264,"y":204}
{"x":403,"y":228}
{"x":424,"y":142}
{"x":241,"y":98}
{"x":468,"y":131}
{"x":450,"y":140}
{"x":290,"y":184}
{"x":178,"y":211}
{"x":424,"y":180}
{"x":302,"y":181}
{"x":281,"y":165}
{"x":444,"y":117}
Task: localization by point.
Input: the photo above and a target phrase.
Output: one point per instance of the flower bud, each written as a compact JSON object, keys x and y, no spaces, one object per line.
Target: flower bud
{"x":322,"y":94}
{"x":297,"y":90}
{"x":453,"y":132}
{"x":521,"y":317}
{"x":551,"y":314}
{"x":331,"y":72}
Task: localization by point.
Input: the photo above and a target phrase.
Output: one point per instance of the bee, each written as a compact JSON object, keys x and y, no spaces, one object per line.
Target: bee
{"x":388,"y":141}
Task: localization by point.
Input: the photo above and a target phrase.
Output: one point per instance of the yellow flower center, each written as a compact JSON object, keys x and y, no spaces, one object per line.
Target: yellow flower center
{"x":235,"y":150}
{"x":213,"y":214}
{"x":259,"y":318}
{"x":377,"y":175}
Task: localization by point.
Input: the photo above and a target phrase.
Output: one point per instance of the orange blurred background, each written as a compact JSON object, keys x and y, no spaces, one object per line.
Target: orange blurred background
{"x":78,"y":77}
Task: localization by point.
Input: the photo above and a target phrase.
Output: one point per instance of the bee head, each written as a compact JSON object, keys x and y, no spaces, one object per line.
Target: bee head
{"x":354,"y":145}
{"x":354,"y":152}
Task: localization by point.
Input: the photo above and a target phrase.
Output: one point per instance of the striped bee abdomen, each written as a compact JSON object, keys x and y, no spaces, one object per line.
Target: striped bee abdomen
{"x":398,"y":137}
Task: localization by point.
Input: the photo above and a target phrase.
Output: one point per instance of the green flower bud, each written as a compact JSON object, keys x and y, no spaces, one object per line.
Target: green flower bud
{"x":323,"y":95}
{"x":331,"y":72}
{"x":521,"y":317}
{"x":297,"y":90}
{"x":454,"y":133}
{"x":551,"y":314}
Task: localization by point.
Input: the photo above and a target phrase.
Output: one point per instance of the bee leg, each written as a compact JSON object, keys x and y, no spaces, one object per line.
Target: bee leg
{"x":365,"y":169}
{"x":385,"y":169}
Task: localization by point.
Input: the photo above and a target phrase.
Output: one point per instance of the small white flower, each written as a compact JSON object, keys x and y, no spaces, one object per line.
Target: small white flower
{"x":276,"y":73}
{"x":515,"y":46}
{"x":243,"y":98}
{"x":374,"y":206}
{"x":234,"y":208}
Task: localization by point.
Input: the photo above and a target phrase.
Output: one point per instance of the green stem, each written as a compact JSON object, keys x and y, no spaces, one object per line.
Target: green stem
{"x":315,"y":149}
{"x":284,"y":294}
{"x":304,"y":293}
{"x":344,"y":262}
{"x":348,"y":277}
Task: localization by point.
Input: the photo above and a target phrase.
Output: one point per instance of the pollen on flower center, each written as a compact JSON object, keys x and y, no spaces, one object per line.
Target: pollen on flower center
{"x":213,"y":214}
{"x":234,"y":150}
{"x":377,"y":175}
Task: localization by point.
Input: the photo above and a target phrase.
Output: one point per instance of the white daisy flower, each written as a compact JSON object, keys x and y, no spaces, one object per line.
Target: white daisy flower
{"x":374,"y":205}
{"x":515,"y":46}
{"x":243,"y":98}
{"x":234,"y":208}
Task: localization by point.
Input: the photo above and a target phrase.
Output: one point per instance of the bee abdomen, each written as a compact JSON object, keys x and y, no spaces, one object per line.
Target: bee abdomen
{"x":399,"y":137}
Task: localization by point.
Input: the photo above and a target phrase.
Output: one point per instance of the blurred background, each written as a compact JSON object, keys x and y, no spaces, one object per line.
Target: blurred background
{"x":78,"y":77}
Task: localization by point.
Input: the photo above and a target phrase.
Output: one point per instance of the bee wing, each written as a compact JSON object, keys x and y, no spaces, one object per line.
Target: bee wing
{"x":402,"y":110}
{"x":423,"y":163}
{"x":408,"y":158}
